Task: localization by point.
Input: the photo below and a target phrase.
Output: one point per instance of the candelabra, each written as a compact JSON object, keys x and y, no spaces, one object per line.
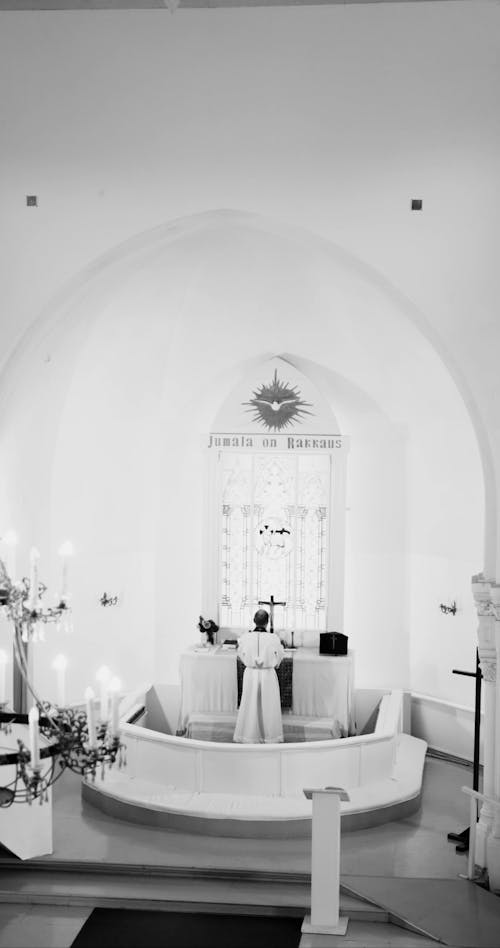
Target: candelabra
{"x":71,"y":737}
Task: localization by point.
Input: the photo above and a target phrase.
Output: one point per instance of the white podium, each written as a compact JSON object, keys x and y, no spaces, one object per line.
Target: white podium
{"x":325,"y":863}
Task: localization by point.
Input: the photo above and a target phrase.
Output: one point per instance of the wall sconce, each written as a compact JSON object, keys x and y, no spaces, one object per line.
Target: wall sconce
{"x":106,"y":600}
{"x":449,"y":610}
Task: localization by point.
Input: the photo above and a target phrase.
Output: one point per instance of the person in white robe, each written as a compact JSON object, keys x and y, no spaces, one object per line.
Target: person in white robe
{"x":259,"y":716}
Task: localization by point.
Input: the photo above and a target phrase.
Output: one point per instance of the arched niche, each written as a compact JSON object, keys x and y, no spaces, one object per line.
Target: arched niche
{"x":275,"y":506}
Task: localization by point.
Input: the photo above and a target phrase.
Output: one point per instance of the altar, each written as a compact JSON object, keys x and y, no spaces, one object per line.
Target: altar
{"x":322,"y":686}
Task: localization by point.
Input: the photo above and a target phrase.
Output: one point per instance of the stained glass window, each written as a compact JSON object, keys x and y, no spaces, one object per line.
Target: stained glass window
{"x":274,"y":530}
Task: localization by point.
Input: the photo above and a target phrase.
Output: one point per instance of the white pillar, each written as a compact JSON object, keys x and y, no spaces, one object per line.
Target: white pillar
{"x":325,"y":863}
{"x":486,"y":816}
{"x":481,"y":590}
{"x":487,"y":598}
{"x":493,"y":841}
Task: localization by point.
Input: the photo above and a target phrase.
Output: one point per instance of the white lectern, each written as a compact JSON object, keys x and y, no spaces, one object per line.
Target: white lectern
{"x":325,"y":863}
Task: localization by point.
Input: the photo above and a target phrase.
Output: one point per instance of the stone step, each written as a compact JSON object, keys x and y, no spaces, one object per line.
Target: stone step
{"x":174,"y":892}
{"x":363,"y":934}
{"x":93,"y":885}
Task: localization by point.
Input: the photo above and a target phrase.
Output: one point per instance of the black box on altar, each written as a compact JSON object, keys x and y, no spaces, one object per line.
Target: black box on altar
{"x":332,"y":643}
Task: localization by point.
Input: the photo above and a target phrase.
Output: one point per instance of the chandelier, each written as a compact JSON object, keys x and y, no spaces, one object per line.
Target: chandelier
{"x":60,"y":736}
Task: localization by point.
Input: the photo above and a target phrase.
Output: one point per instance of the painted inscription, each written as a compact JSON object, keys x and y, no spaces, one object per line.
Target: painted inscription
{"x":283,"y":443}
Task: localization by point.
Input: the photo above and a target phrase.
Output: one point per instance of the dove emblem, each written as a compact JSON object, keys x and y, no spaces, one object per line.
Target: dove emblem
{"x":277,"y":405}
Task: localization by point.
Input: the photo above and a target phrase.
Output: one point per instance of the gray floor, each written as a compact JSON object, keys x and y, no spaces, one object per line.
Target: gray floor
{"x":414,"y":848}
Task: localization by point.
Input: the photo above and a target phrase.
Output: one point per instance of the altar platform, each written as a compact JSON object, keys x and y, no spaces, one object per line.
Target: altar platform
{"x":219,"y":727}
{"x":254,"y":790}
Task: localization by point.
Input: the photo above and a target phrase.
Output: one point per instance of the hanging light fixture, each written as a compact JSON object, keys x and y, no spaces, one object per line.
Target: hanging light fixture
{"x":60,"y":736}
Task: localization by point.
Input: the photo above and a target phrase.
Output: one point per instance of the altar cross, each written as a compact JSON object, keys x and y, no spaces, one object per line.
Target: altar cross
{"x":271,"y":603}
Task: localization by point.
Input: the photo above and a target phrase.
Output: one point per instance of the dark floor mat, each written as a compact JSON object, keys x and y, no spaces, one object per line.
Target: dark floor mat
{"x":125,"y":928}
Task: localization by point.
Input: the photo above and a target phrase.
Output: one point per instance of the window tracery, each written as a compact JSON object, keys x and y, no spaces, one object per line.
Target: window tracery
{"x":274,"y":533}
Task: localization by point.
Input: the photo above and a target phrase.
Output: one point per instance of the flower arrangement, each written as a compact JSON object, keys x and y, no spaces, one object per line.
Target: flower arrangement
{"x":208,"y":628}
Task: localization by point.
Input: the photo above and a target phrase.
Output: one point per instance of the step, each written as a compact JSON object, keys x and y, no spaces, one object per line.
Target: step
{"x":124,"y":796}
{"x":189,"y":892}
{"x":219,"y":727}
{"x":243,"y":892}
{"x":363,"y":934}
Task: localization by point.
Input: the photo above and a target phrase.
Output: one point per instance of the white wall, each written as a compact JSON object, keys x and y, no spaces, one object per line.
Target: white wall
{"x":327,"y":119}
{"x":123,"y":451}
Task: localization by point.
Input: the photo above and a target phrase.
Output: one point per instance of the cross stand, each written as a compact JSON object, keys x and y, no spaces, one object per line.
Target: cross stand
{"x":462,"y":839}
{"x":271,"y":603}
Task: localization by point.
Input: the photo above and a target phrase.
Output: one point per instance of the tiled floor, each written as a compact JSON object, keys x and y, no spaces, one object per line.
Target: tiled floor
{"x":411,"y":848}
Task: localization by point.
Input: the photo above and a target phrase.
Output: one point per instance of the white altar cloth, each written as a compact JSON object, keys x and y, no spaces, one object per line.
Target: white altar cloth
{"x":322,"y":685}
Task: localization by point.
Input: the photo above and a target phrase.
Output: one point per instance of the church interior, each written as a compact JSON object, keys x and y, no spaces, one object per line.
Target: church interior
{"x":250,"y":341}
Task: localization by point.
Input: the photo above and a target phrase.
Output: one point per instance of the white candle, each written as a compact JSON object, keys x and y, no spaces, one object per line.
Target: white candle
{"x":10,"y":540}
{"x":60,"y":664}
{"x":115,"y":688}
{"x":65,"y":552}
{"x":33,"y":596}
{"x":34,"y":737}
{"x":3,"y":674}
{"x":103,"y":676}
{"x":89,"y":699}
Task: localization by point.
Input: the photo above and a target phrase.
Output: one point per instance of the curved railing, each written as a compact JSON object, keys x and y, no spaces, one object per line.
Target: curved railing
{"x":265,"y":769}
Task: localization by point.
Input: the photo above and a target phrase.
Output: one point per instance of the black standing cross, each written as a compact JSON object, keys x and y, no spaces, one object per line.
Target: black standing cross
{"x":463,"y":838}
{"x":271,"y":603}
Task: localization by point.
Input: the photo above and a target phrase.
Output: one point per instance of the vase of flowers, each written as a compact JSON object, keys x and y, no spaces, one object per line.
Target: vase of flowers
{"x":208,"y":630}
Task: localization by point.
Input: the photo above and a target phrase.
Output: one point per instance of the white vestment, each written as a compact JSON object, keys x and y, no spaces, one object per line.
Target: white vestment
{"x":259,"y":716}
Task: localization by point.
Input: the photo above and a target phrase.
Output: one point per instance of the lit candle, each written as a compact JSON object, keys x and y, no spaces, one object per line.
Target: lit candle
{"x":34,"y":738}
{"x":103,"y":676}
{"x":60,"y":664}
{"x":115,"y":688}
{"x":89,"y":699}
{"x":3,"y":673}
{"x":65,"y":552}
{"x":33,"y":597}
{"x":10,"y":540}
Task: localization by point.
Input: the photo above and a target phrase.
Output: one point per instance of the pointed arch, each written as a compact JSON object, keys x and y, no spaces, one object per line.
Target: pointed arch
{"x":276,"y":505}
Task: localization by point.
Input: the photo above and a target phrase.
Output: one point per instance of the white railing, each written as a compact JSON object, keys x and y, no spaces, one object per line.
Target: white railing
{"x":203,"y":766}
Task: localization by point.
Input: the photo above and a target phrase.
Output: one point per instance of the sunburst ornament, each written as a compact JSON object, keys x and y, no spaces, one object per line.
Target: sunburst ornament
{"x":277,"y":405}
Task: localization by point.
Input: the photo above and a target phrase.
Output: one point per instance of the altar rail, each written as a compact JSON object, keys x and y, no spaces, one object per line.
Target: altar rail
{"x":274,"y":770}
